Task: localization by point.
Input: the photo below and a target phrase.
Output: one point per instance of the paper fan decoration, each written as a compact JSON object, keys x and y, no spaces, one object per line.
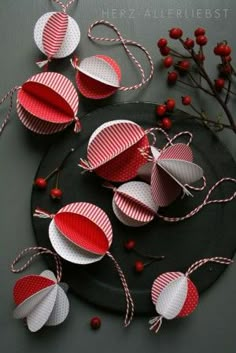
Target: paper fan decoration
{"x":133,"y":204}
{"x":169,"y":173}
{"x":98,"y":76}
{"x":175,"y":295}
{"x":113,"y":150}
{"x":48,"y":103}
{"x":57,"y":35}
{"x":40,"y":300}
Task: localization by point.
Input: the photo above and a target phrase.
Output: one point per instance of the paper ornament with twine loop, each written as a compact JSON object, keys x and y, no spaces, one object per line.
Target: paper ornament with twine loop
{"x":81,"y":233}
{"x":175,"y":295}
{"x":46,"y":103}
{"x":40,"y":299}
{"x":99,"y":76}
{"x":56,"y":34}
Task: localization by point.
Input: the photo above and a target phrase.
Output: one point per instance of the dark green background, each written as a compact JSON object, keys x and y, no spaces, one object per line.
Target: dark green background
{"x":212,"y":327}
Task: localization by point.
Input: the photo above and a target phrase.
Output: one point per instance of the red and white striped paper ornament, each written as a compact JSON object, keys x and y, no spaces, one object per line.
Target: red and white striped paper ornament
{"x":133,"y":204}
{"x":48,"y":103}
{"x":169,"y":172}
{"x":40,"y":300}
{"x":57,"y":35}
{"x":113,"y":150}
{"x":175,"y":295}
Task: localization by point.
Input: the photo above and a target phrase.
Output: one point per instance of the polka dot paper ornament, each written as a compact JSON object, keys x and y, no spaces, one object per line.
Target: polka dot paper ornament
{"x":56,"y":34}
{"x":113,"y":150}
{"x":175,"y":295}
{"x":46,"y":103}
{"x":40,"y":299}
{"x":170,"y":171}
{"x":81,"y":233}
{"x":99,"y":76}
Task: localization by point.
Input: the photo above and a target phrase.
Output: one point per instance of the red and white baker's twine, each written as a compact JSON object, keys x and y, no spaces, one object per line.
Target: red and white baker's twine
{"x":37,"y":250}
{"x":129,"y":301}
{"x":65,"y":6}
{"x":205,"y":202}
{"x":217,"y":259}
{"x":125,"y":42}
{"x":7,"y":117}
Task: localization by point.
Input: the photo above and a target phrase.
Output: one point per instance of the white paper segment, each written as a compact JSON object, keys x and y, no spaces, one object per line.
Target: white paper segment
{"x":172,"y":298}
{"x":26,"y":307}
{"x":183,"y":172}
{"x":49,"y":274}
{"x":40,"y":314}
{"x":108,"y":124}
{"x":69,"y":251}
{"x":71,"y":40}
{"x":140,"y":191}
{"x":60,"y":310}
{"x":99,"y":70}
{"x":123,"y":218}
{"x":145,"y":170}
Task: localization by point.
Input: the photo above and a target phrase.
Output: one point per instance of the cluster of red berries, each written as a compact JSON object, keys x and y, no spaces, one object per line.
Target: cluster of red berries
{"x":139,"y":265}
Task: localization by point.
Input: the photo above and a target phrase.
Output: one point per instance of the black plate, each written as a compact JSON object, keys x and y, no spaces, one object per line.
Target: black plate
{"x":209,"y":233}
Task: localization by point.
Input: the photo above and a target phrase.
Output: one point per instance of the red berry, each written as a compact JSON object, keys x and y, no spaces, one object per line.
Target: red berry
{"x":200,"y":57}
{"x":164,"y":51}
{"x":183,"y":65}
{"x":170,"y":104}
{"x":95,"y":323}
{"x":186,"y":100}
{"x":201,"y":40}
{"x":227,"y":59}
{"x":56,"y":193}
{"x":226,"y":69}
{"x":219,"y":84}
{"x":41,"y":183}
{"x":222,"y":50}
{"x":227,"y":50}
{"x":162,"y":42}
{"x":166,"y":123}
{"x":129,"y":244}
{"x":161,"y":109}
{"x":189,"y":43}
{"x":172,"y":77}
{"x":168,"y":61}
{"x":139,"y":266}
{"x":175,"y":33}
{"x":199,"y":32}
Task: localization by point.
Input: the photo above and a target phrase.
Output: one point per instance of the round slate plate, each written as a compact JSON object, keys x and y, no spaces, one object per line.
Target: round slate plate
{"x":209,"y":233}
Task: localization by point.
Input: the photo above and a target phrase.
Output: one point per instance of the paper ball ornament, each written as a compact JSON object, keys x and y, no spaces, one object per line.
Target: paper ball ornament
{"x":40,"y":300}
{"x":133,"y":204}
{"x":98,"y":76}
{"x":174,"y":295}
{"x":57,"y":35}
{"x":81,"y":233}
{"x":171,"y":170}
{"x":113,"y":150}
{"x":48,"y":103}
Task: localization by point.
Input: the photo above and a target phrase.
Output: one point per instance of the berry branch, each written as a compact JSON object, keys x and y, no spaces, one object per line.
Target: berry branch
{"x":215,"y":88}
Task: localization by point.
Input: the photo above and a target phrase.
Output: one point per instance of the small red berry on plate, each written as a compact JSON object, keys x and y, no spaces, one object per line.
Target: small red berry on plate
{"x":164,"y":51}
{"x":201,"y":40}
{"x":186,"y":100}
{"x":219,"y":84}
{"x":129,"y":244}
{"x":41,"y":183}
{"x":166,"y":123}
{"x":162,"y":42}
{"x":95,"y":323}
{"x":175,"y":33}
{"x":172,"y":77}
{"x":189,"y":43}
{"x":139,"y":266}
{"x":170,"y":104}
{"x":168,"y":61}
{"x":199,"y":32}
{"x":161,"y":109}
{"x":183,"y":65}
{"x":56,"y":193}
